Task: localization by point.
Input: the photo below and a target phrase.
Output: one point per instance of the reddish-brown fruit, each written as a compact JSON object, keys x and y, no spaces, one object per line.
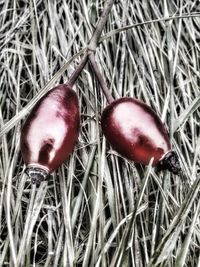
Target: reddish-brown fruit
{"x":136,"y":132}
{"x":50,"y":132}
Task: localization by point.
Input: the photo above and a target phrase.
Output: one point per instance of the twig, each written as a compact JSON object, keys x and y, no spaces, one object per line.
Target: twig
{"x":76,"y":73}
{"x":100,"y":78}
{"x":92,"y":45}
{"x":100,"y":25}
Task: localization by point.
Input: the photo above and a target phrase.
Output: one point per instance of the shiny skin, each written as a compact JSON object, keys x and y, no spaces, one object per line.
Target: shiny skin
{"x":135,"y":131}
{"x":51,"y":130}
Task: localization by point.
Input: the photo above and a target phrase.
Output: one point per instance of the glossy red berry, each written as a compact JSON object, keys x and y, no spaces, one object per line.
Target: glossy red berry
{"x":136,"y":132}
{"x":50,"y":132}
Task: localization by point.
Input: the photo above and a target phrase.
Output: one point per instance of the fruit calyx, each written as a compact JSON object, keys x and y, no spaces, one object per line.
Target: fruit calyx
{"x":37,"y":174}
{"x":170,"y":161}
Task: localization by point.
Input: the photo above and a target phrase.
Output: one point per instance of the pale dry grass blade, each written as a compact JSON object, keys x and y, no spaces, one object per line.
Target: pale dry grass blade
{"x":181,"y":257}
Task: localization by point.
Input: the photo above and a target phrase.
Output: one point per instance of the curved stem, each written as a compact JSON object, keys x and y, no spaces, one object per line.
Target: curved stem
{"x":92,"y":45}
{"x":100,"y":78}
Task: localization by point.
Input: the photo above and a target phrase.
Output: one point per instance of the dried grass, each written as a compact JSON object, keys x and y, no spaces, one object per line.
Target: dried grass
{"x":99,"y":209}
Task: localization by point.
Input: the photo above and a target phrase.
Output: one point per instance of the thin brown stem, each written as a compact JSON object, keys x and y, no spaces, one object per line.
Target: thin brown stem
{"x":100,"y":78}
{"x":92,"y":45}
{"x":77,"y":71}
{"x":100,"y":25}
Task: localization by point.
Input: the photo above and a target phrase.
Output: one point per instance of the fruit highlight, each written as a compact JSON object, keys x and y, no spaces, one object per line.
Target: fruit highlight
{"x":50,"y":132}
{"x":136,"y":132}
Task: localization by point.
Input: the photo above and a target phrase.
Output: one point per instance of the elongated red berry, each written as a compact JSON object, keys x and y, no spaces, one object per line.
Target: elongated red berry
{"x":50,"y":132}
{"x":136,"y":132}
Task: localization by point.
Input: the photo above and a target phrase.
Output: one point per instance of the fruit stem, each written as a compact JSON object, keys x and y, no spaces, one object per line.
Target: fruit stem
{"x":97,"y":72}
{"x":100,"y":25}
{"x":92,"y":45}
{"x":77,"y":71}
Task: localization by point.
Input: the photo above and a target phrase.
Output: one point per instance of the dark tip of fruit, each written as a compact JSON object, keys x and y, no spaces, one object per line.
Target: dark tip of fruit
{"x":36,"y":174}
{"x":170,"y":162}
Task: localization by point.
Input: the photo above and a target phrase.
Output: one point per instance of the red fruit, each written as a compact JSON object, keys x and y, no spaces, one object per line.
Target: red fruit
{"x":136,"y":132}
{"x":50,"y":132}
